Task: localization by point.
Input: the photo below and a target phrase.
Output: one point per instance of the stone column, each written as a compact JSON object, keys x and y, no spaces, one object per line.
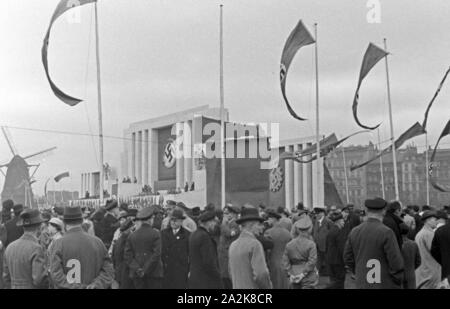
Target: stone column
{"x":298,"y":179}
{"x":289,"y":180}
{"x":179,"y":157}
{"x":187,"y":152}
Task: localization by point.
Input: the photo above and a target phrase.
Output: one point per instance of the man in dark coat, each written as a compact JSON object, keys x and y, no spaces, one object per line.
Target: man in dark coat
{"x":13,"y":231}
{"x":336,"y":239}
{"x":110,"y":222}
{"x":392,"y":220}
{"x":411,"y":258}
{"x":440,"y":250}
{"x":372,"y":251}
{"x":229,"y":232}
{"x":77,"y":259}
{"x":321,"y":228}
{"x":122,"y":272}
{"x":204,"y":267}
{"x":175,"y":252}
{"x":143,"y":252}
{"x":5,"y":217}
{"x":351,"y":219}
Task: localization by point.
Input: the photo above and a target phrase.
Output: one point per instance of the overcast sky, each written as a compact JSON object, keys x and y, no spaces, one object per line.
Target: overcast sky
{"x":162,"y":56}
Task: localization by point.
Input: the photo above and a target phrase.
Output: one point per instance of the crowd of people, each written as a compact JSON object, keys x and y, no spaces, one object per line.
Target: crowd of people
{"x":172,"y":246}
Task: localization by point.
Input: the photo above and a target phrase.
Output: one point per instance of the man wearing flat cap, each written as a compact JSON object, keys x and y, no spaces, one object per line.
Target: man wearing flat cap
{"x":229,"y":232}
{"x":25,"y":264}
{"x":143,"y":252}
{"x":428,"y":274}
{"x":248,"y":267}
{"x":372,"y":252}
{"x":77,"y":259}
{"x":204,"y":263}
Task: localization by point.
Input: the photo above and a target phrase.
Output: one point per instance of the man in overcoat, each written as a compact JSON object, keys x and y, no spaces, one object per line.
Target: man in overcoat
{"x":175,"y":252}
{"x":440,"y":250}
{"x":143,"y":252}
{"x":280,"y":237}
{"x":372,"y":251}
{"x":77,"y":259}
{"x":248,"y":267}
{"x":335,"y":252}
{"x":321,"y":228}
{"x":204,"y":264}
{"x":25,"y":261}
{"x":122,"y":272}
{"x":229,"y":232}
{"x":428,"y":275}
{"x":13,"y":231}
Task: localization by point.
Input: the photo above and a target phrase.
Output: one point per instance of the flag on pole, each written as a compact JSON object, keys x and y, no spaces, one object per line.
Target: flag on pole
{"x":63,"y":6}
{"x":433,"y":180}
{"x":61,"y":176}
{"x":424,"y":124}
{"x":371,"y":57}
{"x":327,"y":145}
{"x":298,"y":38}
{"x":413,"y":131}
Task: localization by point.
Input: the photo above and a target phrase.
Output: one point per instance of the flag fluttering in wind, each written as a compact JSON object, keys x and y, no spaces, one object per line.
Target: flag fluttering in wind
{"x":433,"y":181}
{"x":327,"y":145}
{"x":371,"y":57}
{"x":414,"y":131}
{"x":61,"y":176}
{"x":424,"y":124}
{"x":298,"y":38}
{"x":63,"y":6}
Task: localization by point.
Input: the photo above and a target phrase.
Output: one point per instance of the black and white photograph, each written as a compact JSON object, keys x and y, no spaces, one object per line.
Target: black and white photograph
{"x":225,"y":149}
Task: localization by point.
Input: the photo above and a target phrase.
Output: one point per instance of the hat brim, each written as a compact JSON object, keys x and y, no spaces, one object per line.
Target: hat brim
{"x":20,"y":222}
{"x":250,"y":218}
{"x":429,"y":216}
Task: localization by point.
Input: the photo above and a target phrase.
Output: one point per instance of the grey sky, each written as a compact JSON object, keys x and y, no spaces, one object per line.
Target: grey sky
{"x":161,"y":56}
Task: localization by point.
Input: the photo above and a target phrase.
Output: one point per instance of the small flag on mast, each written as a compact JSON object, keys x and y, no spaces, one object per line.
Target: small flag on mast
{"x":298,"y":38}
{"x":432,"y":164}
{"x":63,"y":6}
{"x":61,"y":176}
{"x":371,"y":57}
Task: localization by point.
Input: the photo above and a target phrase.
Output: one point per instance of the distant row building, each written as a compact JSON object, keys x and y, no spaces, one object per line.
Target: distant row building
{"x":366,"y":182}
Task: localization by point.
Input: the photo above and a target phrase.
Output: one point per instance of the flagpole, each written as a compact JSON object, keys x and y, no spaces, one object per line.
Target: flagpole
{"x":381,"y":165}
{"x":222,"y":112}
{"x":99,"y":99}
{"x":345,"y":175}
{"x":394,"y":155}
{"x":426,"y":168}
{"x":317,"y":119}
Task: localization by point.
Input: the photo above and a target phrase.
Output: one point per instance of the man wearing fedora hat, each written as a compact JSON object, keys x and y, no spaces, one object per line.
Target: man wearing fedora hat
{"x":321,"y":228}
{"x":109,"y":222}
{"x":122,"y":272}
{"x":175,"y":252}
{"x":79,"y":260}
{"x":229,"y":232}
{"x":336,"y":239}
{"x":372,"y":252}
{"x":248,"y":267}
{"x":280,"y":236}
{"x":25,"y":259}
{"x":428,"y":274}
{"x":143,"y":252}
{"x":204,"y":263}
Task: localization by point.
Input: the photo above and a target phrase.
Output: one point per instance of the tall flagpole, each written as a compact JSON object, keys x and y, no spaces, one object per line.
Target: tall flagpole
{"x":381,"y":165}
{"x":99,"y":99}
{"x":345,"y":175}
{"x":426,"y":168}
{"x":222,"y":112}
{"x":316,"y":200}
{"x":394,"y":155}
